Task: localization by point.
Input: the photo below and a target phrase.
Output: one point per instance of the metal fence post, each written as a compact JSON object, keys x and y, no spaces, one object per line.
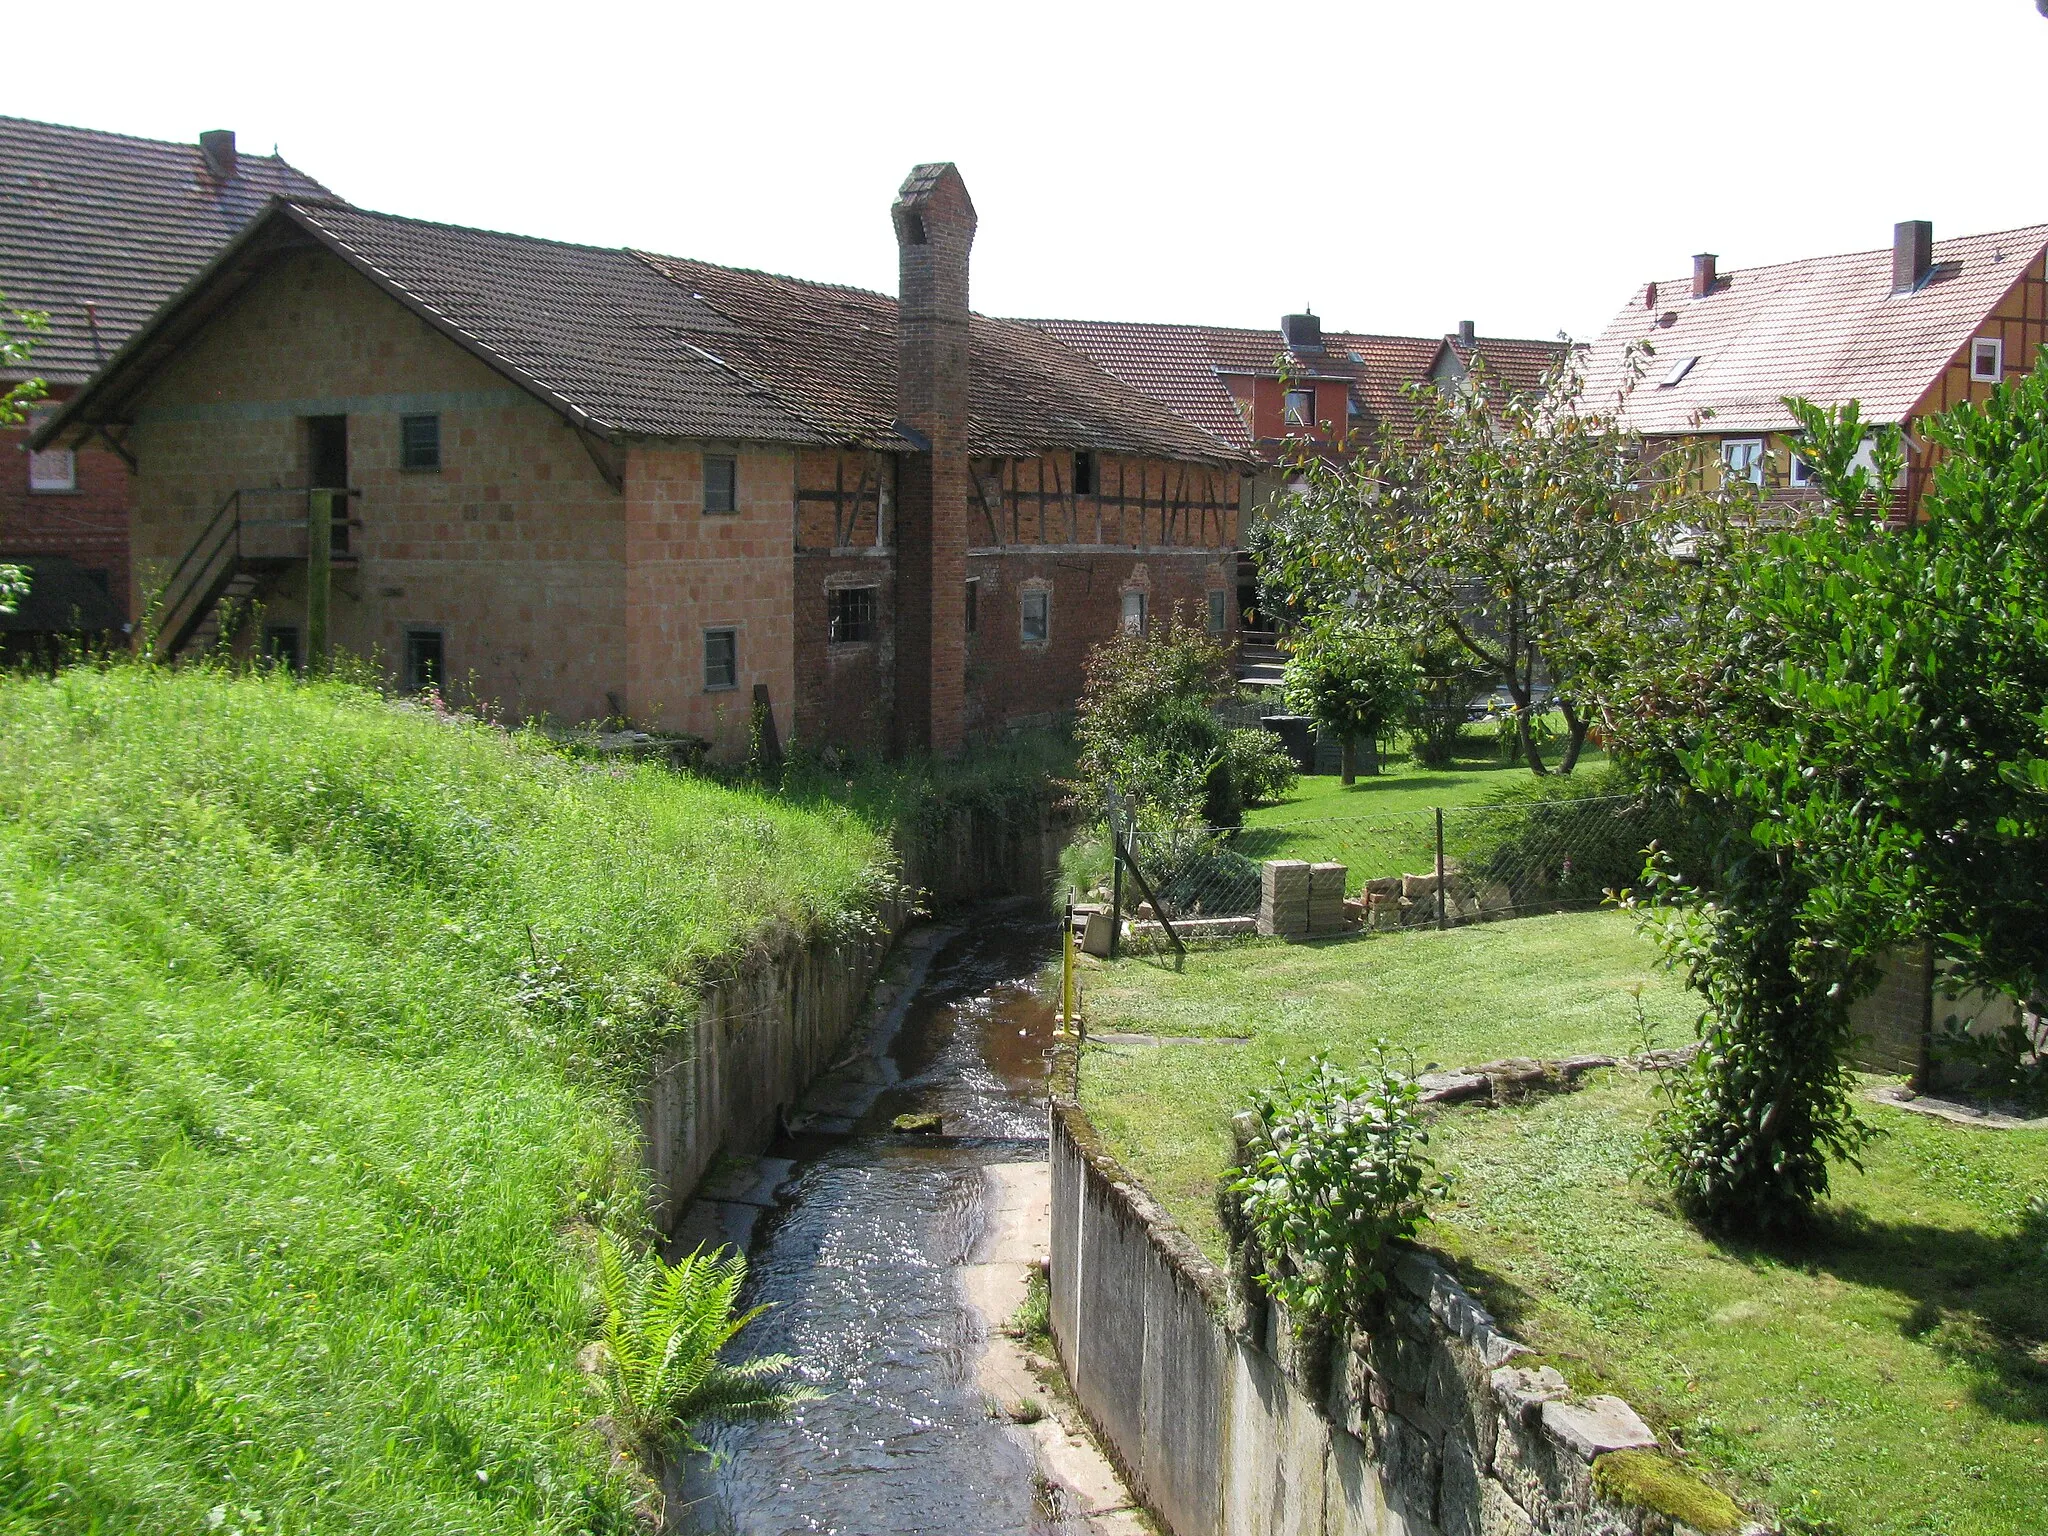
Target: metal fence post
{"x":1441,"y":924}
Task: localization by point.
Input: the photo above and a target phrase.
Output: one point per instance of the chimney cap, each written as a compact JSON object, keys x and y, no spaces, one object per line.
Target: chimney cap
{"x":1302,"y":332}
{"x":217,"y":148}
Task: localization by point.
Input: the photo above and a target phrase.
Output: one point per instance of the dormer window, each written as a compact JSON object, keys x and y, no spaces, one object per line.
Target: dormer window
{"x":1987,"y":360}
{"x":1678,"y":371}
{"x":1298,"y":409}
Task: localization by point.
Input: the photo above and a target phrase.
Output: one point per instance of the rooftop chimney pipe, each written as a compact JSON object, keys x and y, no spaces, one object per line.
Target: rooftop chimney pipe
{"x":1703,"y":274}
{"x":217,"y":146}
{"x":1301,"y":333}
{"x":1912,"y":254}
{"x":1467,"y":333}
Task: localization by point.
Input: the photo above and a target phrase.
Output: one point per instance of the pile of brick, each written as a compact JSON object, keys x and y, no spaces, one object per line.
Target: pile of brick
{"x":1326,"y":898}
{"x":1283,"y":898}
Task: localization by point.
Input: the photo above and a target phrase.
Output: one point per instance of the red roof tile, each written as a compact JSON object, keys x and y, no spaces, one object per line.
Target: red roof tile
{"x":1828,"y":328}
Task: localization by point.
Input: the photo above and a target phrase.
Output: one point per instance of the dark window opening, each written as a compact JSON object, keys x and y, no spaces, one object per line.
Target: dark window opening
{"x":327,"y":468}
{"x":721,"y":483}
{"x":1219,"y":610}
{"x":1300,"y":408}
{"x":422,"y":660}
{"x":281,"y":645}
{"x":100,"y":578}
{"x":853,"y":614}
{"x":1084,"y":473}
{"x":973,"y":604}
{"x":1035,"y":618}
{"x":721,"y":659}
{"x":419,"y":442}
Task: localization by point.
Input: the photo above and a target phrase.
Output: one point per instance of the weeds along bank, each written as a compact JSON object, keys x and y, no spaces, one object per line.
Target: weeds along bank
{"x":322,"y":1027}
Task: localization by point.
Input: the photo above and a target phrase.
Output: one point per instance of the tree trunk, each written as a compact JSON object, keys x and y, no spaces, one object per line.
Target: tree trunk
{"x":1349,"y":748}
{"x":1518,"y":690}
{"x":1577,"y":725}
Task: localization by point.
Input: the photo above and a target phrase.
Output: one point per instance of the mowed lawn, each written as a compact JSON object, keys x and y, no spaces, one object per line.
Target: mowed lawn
{"x":1887,"y":1375}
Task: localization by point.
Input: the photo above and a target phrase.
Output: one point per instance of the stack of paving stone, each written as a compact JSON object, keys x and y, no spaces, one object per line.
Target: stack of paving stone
{"x":1326,"y":898}
{"x":1283,"y":898}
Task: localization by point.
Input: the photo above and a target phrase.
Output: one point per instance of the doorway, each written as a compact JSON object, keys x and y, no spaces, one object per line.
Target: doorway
{"x":327,"y":466}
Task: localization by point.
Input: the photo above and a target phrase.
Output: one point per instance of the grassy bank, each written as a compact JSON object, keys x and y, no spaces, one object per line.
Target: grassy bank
{"x":1542,"y":986}
{"x":318,"y":1025}
{"x":1888,"y":1375}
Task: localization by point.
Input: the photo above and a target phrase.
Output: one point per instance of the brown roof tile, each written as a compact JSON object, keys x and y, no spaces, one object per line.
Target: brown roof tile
{"x":1828,"y":328}
{"x":120,"y":223}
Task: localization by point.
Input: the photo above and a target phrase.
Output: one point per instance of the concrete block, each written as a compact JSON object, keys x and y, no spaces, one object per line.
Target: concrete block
{"x":1597,"y":1425}
{"x":1095,"y":935}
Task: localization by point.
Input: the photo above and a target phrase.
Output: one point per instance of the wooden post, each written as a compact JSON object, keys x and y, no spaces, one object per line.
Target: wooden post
{"x":319,"y":575}
{"x":1441,"y":924}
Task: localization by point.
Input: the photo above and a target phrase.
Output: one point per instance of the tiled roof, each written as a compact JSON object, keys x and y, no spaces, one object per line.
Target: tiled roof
{"x":1829,"y":329}
{"x":1513,"y":365}
{"x":631,"y":343}
{"x":1185,"y":365}
{"x":116,"y":222}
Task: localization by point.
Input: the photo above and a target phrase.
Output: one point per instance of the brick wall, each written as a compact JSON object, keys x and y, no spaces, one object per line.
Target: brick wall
{"x":88,"y":524}
{"x":515,"y":548}
{"x":687,"y":572}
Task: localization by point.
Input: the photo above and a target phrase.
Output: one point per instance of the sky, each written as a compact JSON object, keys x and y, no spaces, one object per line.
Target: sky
{"x":1395,"y":167}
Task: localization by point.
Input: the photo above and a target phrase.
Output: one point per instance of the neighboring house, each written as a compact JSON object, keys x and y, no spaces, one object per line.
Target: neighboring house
{"x":1270,"y":394}
{"x":592,"y":483}
{"x":1907,"y":331}
{"x":96,"y":231}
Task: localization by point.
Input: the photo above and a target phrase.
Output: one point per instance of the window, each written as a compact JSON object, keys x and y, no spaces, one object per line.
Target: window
{"x":973,"y":604}
{"x":419,"y":442}
{"x":281,"y":646}
{"x":1084,"y":473}
{"x":1299,"y":408}
{"x":721,"y":483}
{"x":1134,"y":613}
{"x":1219,"y":610}
{"x":1987,"y":360}
{"x":1678,"y":371}
{"x":853,"y":614}
{"x":1742,"y":458}
{"x":721,"y":659}
{"x":1034,"y":625}
{"x":423,"y":652}
{"x":1801,"y":472}
{"x":54,"y":469}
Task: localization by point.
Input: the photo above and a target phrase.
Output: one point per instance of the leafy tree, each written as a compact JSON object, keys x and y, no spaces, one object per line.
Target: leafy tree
{"x":1531,"y":530}
{"x":1446,"y":680}
{"x":14,"y":353}
{"x":1353,"y":680}
{"x":662,"y":1328}
{"x":1863,"y":709}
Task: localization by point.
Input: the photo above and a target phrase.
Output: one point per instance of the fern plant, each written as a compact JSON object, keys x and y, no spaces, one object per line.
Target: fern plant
{"x":662,"y":1328}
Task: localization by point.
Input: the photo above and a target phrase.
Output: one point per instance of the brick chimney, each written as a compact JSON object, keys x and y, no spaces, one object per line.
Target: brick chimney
{"x":1703,"y":274}
{"x":217,"y":148}
{"x":1912,"y":253}
{"x":935,"y":223}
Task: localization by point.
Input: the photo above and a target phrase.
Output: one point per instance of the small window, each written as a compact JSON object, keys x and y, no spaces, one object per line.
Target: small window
{"x":973,"y":604}
{"x":1800,"y":474}
{"x":1742,"y":458}
{"x":419,"y":442}
{"x":721,"y":483}
{"x":54,"y":469}
{"x":1035,"y":618}
{"x":1299,"y":408}
{"x":1134,"y":613}
{"x":423,"y":653}
{"x":721,"y":659}
{"x":1987,"y":360}
{"x":853,"y":615}
{"x":1084,"y":473}
{"x":1219,"y":610}
{"x":1678,"y":371}
{"x":281,"y":646}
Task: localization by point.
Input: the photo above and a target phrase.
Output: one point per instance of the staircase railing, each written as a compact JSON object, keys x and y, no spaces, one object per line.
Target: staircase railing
{"x":196,"y":580}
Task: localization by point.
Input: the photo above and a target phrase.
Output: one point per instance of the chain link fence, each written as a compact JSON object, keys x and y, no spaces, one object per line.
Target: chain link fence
{"x":1438,"y":866}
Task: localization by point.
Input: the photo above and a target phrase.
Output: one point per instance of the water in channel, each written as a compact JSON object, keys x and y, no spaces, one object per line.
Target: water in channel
{"x":857,"y":1260}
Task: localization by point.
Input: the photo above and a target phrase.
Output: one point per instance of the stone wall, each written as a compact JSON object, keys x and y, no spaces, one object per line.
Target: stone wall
{"x":1431,"y":1422}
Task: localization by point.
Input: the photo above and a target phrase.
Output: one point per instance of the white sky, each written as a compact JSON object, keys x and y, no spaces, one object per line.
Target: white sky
{"x":1399,"y":166}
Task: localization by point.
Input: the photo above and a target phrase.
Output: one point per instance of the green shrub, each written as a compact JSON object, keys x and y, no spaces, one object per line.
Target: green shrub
{"x":1260,"y":766}
{"x":1334,"y":1176}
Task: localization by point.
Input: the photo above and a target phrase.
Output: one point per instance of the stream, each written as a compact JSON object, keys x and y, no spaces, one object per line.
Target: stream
{"x":859,"y":1255}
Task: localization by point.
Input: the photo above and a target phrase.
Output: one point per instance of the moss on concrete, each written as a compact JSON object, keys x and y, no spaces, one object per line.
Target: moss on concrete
{"x":1647,"y":1480}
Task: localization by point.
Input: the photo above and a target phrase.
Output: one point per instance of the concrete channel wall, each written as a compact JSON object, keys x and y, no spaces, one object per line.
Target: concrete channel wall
{"x":1424,"y":1425}
{"x":764,"y":1032}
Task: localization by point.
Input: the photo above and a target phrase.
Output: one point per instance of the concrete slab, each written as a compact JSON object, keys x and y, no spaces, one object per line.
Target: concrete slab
{"x":752,"y":1183}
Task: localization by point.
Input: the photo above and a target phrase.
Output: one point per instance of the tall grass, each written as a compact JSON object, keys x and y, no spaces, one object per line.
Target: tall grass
{"x":318,"y":1024}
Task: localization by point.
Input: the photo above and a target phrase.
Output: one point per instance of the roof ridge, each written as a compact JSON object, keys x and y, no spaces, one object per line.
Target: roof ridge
{"x":2038,"y":230}
{"x":276,"y":154}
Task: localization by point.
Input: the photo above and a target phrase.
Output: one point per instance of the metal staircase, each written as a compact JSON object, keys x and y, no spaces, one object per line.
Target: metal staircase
{"x":230,"y":562}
